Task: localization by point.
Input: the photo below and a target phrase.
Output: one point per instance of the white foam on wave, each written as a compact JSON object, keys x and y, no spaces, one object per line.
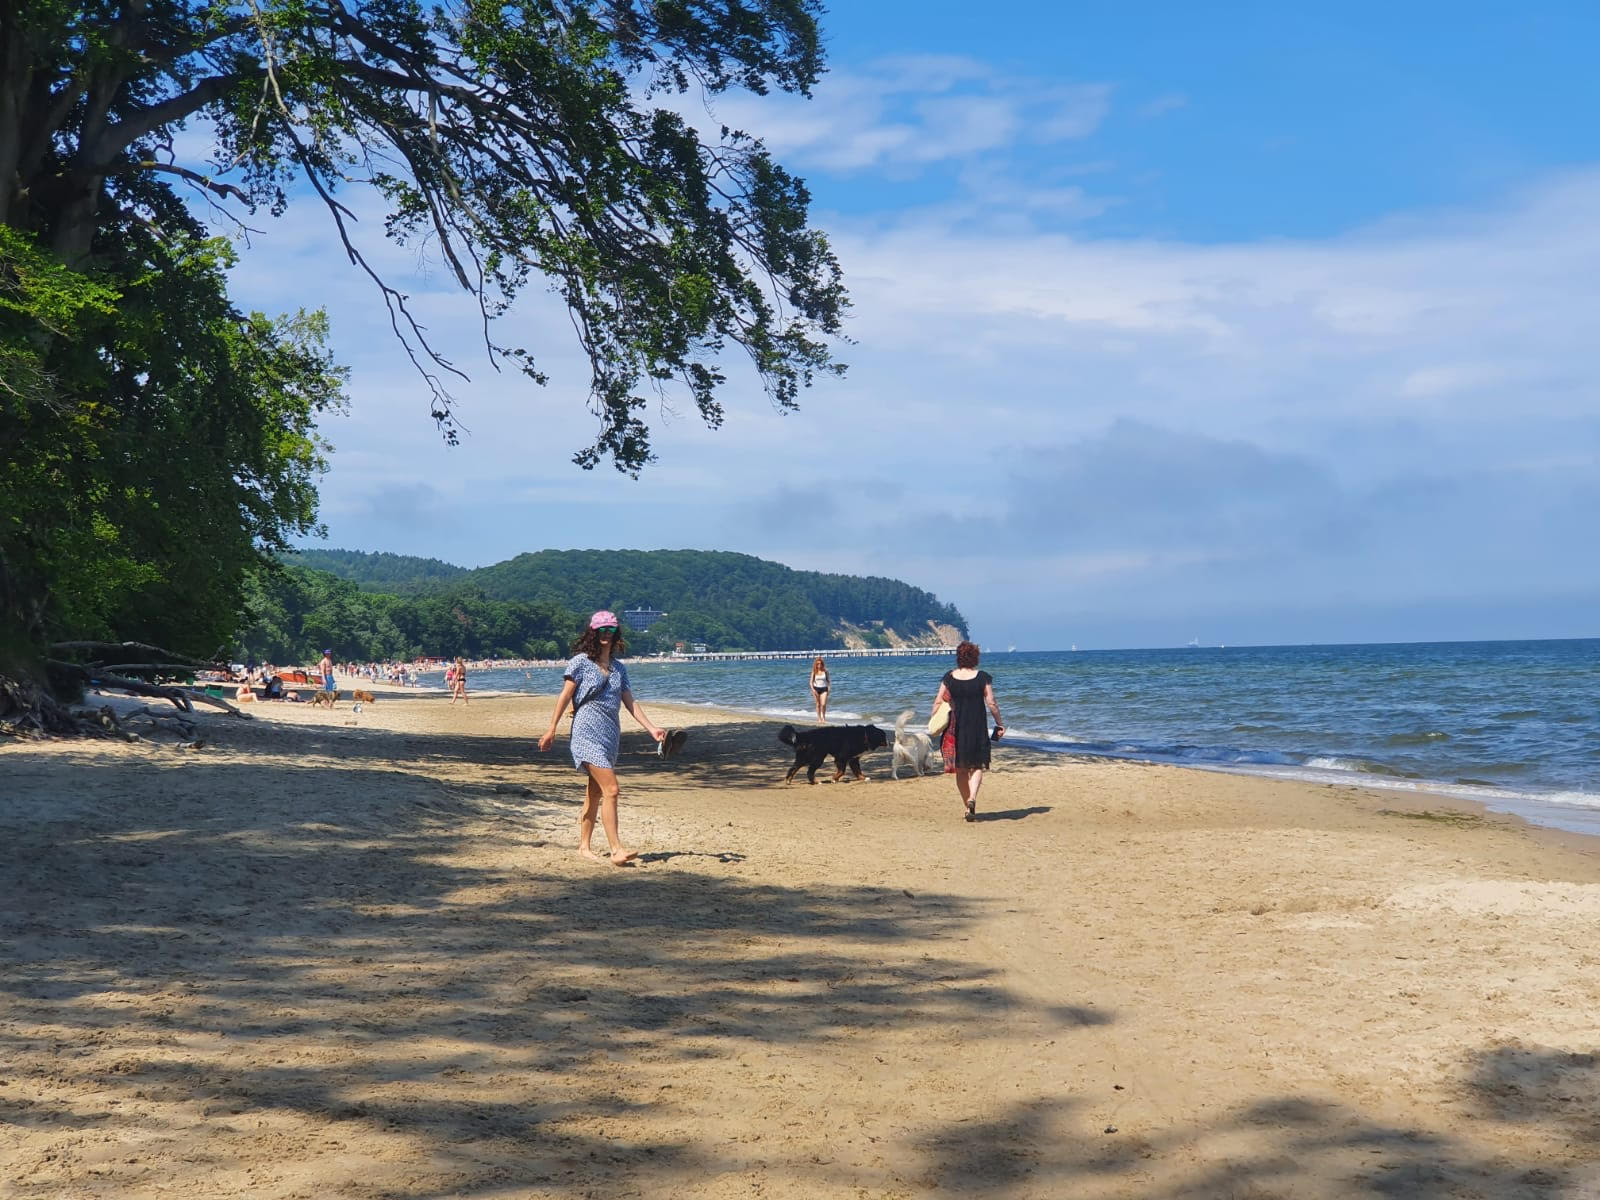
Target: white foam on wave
{"x":1328,"y":763}
{"x":1574,"y":799}
{"x":835,"y":716}
{"x":1052,"y":739}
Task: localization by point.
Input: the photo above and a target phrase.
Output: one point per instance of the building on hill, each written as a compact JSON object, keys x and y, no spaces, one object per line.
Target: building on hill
{"x":640,"y":619}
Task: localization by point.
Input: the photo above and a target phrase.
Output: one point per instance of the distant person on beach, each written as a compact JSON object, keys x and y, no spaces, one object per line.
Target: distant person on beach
{"x":326,"y":667}
{"x":965,"y":742}
{"x":458,"y":681}
{"x":819,"y":688}
{"x":597,"y":688}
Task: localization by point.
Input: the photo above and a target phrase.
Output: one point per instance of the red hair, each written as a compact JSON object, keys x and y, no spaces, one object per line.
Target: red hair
{"x":966,"y":656}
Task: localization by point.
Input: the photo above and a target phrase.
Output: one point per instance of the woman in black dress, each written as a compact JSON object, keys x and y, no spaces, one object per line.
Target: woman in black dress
{"x":965,"y":743}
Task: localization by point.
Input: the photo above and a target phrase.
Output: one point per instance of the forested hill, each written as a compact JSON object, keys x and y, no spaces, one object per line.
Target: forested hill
{"x":400,"y":574}
{"x":729,"y":601}
{"x":717,"y":597}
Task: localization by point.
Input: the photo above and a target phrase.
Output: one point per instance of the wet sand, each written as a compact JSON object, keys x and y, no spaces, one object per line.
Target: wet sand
{"x":340,"y":955}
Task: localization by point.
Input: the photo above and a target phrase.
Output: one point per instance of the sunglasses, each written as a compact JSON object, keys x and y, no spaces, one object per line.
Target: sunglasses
{"x":605,"y":628}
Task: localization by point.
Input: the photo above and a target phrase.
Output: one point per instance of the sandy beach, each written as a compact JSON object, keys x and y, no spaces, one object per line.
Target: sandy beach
{"x":356,"y":955}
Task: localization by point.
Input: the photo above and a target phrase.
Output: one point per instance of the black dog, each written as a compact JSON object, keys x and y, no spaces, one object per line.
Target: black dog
{"x":845,"y":744}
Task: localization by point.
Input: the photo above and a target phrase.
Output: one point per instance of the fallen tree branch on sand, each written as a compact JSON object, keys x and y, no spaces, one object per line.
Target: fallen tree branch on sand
{"x":218,"y":702}
{"x":96,"y":677}
{"x":29,"y":709}
{"x":163,"y":723}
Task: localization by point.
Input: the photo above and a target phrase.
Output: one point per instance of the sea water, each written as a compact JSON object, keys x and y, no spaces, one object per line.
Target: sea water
{"x":1512,"y":725}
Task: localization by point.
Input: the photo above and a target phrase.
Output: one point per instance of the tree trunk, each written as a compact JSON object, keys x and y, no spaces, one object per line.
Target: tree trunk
{"x":14,"y":77}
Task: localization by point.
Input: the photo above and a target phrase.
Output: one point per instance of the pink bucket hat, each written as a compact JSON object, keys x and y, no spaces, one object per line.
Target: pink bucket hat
{"x":603,"y":617}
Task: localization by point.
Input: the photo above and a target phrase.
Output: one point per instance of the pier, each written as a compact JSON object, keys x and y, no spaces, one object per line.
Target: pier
{"x":799,"y":655}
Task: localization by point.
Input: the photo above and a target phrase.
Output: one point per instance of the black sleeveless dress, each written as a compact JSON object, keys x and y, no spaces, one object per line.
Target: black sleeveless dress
{"x":968,"y":719}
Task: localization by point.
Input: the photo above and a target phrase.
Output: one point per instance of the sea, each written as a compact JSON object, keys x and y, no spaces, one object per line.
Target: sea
{"x":1514,"y":726}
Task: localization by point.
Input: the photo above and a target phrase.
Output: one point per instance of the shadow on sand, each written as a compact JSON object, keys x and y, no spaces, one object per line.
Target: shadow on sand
{"x":279,"y":945}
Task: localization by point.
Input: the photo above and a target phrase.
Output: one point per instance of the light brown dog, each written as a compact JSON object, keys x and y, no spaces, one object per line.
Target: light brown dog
{"x":327,"y":698}
{"x":364,"y":697}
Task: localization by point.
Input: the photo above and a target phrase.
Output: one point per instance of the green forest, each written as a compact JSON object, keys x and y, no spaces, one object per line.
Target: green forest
{"x":384,"y":606}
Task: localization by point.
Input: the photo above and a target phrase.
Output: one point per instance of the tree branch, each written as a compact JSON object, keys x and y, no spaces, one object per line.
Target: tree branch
{"x":177,"y":659}
{"x":225,"y":190}
{"x":133,"y":127}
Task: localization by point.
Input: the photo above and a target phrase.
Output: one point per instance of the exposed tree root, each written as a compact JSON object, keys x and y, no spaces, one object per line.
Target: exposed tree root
{"x":27,"y":709}
{"x":30,"y":708}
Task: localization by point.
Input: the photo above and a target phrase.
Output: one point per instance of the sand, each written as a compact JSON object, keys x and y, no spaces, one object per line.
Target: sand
{"x":341,"y":955}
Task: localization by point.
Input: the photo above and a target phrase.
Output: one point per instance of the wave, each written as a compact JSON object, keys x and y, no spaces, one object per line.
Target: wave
{"x":1362,"y":766}
{"x":1572,"y":799}
{"x":1425,"y":738}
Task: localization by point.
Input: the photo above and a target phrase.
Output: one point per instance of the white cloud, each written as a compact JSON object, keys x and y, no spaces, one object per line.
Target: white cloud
{"x":904,"y":114}
{"x":1163,"y":104}
{"x":1050,"y":430}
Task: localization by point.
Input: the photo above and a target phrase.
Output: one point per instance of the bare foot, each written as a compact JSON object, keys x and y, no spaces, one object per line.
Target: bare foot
{"x":620,"y":856}
{"x":585,"y":852}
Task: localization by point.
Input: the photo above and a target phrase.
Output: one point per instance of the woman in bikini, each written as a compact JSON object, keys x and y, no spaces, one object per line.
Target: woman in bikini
{"x":819,"y":688}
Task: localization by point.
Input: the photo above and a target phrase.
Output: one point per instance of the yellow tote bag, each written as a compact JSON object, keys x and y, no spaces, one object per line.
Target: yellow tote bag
{"x":940,"y":718}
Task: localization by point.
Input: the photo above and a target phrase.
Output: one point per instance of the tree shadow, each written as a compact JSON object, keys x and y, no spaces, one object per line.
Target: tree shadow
{"x":1273,"y":1148}
{"x":1538,"y":1085}
{"x":326,"y":954}
{"x":275,"y":940}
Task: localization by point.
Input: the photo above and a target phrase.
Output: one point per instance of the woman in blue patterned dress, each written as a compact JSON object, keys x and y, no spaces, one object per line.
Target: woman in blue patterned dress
{"x":597,"y":688}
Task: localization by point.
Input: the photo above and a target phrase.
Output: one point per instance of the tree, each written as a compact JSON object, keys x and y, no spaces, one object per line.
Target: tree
{"x":520,"y":141}
{"x":154,"y":441}
{"x":155,"y":444}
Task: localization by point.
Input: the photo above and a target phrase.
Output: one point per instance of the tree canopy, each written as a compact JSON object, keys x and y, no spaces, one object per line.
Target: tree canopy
{"x":158,"y":444}
{"x":153,"y":442}
{"x":518,"y":142}
{"x":730,"y":601}
{"x":295,"y":612}
{"x":402,"y":574}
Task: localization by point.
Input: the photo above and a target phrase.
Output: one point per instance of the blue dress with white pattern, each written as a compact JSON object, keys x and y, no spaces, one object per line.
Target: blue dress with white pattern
{"x":597,"y":723}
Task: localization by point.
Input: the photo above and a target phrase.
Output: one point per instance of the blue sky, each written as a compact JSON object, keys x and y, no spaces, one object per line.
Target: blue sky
{"x":1240,"y":322}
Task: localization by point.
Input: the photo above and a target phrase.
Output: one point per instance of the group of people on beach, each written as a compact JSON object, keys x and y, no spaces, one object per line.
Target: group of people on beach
{"x":595,"y":687}
{"x":964,"y":738}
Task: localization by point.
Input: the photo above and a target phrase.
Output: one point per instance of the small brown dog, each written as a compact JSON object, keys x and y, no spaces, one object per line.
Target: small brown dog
{"x":364,"y":697}
{"x":327,"y":698}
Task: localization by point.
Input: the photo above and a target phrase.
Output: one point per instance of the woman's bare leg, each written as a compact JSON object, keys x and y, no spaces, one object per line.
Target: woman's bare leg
{"x":968,"y":781}
{"x":602,"y":794}
{"x":591,"y":810}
